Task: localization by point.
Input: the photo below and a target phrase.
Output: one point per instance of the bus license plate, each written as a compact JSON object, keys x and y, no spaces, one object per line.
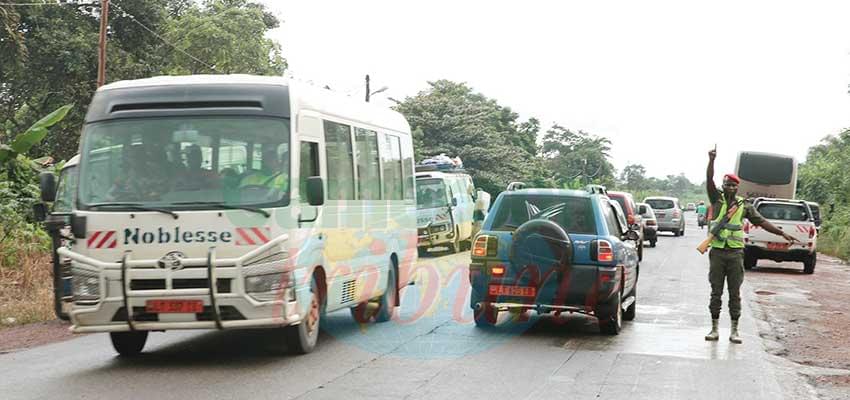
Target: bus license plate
{"x":519,"y":291}
{"x":174,"y":306}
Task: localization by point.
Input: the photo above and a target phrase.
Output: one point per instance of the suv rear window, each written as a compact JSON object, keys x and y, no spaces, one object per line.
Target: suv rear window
{"x":787,"y":212}
{"x":574,"y":214}
{"x":660,"y":204}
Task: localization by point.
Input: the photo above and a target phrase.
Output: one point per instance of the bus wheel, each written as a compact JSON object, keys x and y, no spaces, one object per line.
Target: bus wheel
{"x":129,"y":344}
{"x":388,"y":300}
{"x":455,"y":246}
{"x":302,"y":338}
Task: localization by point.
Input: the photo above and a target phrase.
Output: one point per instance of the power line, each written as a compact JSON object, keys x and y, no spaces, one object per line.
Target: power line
{"x":133,"y":18}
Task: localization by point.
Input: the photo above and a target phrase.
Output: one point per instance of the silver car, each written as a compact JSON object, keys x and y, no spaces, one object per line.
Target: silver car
{"x":669,"y":214}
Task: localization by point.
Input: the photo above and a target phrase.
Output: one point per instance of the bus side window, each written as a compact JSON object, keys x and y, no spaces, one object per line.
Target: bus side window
{"x":339,"y":156}
{"x":309,"y":166}
{"x":391,"y":162}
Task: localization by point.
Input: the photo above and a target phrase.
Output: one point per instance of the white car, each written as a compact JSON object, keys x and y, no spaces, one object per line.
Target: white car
{"x":793,"y":217}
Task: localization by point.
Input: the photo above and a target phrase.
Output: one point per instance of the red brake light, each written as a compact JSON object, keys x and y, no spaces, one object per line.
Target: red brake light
{"x":676,"y":214}
{"x":650,"y":222}
{"x":497,"y":270}
{"x":479,"y":249}
{"x":811,"y":232}
{"x":746,"y":227}
{"x":605,"y":252}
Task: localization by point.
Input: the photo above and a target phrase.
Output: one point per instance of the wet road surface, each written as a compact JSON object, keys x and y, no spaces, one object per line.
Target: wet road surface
{"x":433,"y":350}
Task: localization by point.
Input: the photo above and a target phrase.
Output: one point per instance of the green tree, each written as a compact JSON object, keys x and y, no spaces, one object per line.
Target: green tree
{"x":496,"y":148}
{"x":60,"y":65}
{"x":634,"y":178}
{"x":570,"y":155}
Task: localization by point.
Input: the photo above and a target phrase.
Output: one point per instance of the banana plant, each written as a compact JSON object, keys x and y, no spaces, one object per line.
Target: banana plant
{"x":24,"y":142}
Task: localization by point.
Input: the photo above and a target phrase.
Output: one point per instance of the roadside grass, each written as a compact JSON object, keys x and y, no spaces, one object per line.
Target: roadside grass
{"x":26,"y":277}
{"x":835,"y":244}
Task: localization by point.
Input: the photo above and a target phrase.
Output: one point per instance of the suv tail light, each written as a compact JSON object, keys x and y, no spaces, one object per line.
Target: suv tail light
{"x":485,"y":246}
{"x":811,"y":232}
{"x":746,"y":227}
{"x":650,"y":222}
{"x":601,"y":250}
{"x":676,"y":214}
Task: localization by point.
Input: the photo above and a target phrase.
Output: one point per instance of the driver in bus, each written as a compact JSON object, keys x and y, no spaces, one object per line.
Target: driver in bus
{"x":270,"y":176}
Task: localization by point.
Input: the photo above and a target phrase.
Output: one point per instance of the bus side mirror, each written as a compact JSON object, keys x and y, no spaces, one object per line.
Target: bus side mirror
{"x":315,"y":191}
{"x":39,"y":211}
{"x":78,"y":226}
{"x":47,"y":182}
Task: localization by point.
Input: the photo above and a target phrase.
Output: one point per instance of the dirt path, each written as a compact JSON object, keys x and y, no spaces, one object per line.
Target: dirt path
{"x":809,"y":319}
{"x":30,"y":335}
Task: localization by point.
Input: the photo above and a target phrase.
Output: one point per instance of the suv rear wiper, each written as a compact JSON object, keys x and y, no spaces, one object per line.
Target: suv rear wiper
{"x":135,"y":206}
{"x":226,"y":206}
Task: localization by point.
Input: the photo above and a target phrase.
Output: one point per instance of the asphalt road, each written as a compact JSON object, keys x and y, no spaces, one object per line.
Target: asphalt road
{"x":433,"y":350}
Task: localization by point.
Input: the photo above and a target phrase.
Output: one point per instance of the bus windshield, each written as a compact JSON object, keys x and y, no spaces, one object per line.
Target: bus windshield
{"x":431,"y":193}
{"x":766,"y":169}
{"x":185,"y":162}
{"x":65,"y":190}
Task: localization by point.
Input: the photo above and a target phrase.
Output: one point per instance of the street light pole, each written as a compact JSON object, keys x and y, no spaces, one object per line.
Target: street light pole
{"x":367,"y":88}
{"x":101,"y":56}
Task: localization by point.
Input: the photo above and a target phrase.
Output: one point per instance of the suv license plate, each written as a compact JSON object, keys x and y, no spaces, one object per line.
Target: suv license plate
{"x":777,"y":246}
{"x":174,"y":306}
{"x":519,"y":291}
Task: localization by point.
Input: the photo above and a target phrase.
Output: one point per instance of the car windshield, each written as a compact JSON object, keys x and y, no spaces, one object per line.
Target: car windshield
{"x":574,"y":214}
{"x":431,"y":193}
{"x":185,"y":162}
{"x":788,"y":212}
{"x":660,"y":204}
{"x":65,"y":190}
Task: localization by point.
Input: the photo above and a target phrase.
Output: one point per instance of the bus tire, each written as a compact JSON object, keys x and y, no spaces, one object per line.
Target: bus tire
{"x":129,"y":344}
{"x":302,"y":338}
{"x":387,"y":304}
{"x":455,"y":246}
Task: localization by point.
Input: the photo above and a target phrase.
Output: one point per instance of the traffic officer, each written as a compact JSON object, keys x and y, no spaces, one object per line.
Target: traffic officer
{"x":726,"y":257}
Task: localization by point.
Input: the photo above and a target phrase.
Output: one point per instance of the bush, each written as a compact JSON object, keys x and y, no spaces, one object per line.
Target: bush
{"x":835,"y":233}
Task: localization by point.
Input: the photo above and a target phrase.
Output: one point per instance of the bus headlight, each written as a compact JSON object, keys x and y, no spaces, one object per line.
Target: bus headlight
{"x":266,"y":283}
{"x":439,"y":228}
{"x":85,"y":285}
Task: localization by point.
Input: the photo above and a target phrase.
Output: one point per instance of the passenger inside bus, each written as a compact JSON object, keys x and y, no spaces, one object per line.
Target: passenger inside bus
{"x":194,"y":176}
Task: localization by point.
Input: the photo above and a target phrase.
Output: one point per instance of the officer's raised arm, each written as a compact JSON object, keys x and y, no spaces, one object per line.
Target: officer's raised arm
{"x":713,"y":195}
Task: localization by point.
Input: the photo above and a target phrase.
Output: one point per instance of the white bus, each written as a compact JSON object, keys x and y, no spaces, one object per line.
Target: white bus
{"x":235,"y":201}
{"x":766,"y":175}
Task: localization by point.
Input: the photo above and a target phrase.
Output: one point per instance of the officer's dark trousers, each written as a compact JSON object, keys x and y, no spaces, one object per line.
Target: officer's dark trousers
{"x":726,"y":266}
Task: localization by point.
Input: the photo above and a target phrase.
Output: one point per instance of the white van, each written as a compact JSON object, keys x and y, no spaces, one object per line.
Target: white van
{"x":446,"y":210}
{"x":236,"y":201}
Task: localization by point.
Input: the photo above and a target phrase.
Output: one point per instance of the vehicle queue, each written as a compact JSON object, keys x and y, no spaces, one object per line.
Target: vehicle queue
{"x":226,"y":202}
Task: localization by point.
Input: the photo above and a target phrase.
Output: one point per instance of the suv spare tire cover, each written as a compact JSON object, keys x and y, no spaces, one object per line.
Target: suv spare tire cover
{"x":542,"y":243}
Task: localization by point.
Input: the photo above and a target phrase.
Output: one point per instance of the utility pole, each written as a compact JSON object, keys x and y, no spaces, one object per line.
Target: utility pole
{"x":367,"y":88}
{"x":101,"y":56}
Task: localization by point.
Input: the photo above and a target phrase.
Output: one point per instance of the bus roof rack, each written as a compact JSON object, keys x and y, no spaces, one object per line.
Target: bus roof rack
{"x":596,"y":189}
{"x":515,"y":186}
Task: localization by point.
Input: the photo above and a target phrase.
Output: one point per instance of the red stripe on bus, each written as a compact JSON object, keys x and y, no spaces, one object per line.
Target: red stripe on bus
{"x":92,"y":238}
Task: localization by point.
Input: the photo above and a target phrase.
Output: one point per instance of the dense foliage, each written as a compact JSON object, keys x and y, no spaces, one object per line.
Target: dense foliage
{"x":48,"y":54}
{"x":823,"y":178}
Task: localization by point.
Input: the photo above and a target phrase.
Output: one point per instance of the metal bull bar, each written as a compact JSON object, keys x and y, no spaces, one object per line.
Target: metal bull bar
{"x":126,"y":265}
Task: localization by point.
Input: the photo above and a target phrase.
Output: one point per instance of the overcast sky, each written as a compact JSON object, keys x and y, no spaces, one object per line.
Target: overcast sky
{"x":663,"y":80}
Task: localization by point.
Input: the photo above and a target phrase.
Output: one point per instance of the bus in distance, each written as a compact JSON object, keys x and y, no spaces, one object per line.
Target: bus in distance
{"x":766,"y":175}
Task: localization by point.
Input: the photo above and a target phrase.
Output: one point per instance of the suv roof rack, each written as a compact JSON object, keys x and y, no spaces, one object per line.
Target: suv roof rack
{"x":596,"y":189}
{"x":439,"y":168}
{"x":515,"y":186}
